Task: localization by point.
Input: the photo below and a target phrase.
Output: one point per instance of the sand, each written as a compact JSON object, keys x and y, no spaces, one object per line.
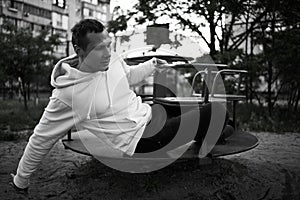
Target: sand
{"x":270,"y":171}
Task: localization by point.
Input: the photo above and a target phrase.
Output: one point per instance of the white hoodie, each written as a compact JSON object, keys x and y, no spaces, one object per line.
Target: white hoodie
{"x":100,"y":102}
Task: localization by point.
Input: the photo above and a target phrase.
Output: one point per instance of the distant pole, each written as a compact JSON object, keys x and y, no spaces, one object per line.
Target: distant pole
{"x":67,"y":45}
{"x":246,"y":53}
{"x":67,"y":48}
{"x":251,"y":59}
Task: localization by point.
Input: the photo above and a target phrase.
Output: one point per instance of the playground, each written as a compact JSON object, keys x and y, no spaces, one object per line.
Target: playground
{"x":270,"y":171}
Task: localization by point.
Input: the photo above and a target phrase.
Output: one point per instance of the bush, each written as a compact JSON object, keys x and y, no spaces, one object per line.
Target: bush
{"x":8,"y":136}
{"x":256,"y":118}
{"x":14,"y":117}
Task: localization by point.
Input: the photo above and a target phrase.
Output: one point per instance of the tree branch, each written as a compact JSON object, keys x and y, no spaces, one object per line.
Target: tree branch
{"x":278,"y":92}
{"x":238,"y":42}
{"x":193,"y":27}
{"x":229,"y":31}
{"x":188,"y":23}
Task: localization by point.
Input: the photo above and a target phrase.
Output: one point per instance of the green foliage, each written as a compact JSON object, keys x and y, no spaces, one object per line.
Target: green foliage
{"x":287,"y":45}
{"x":24,"y":57}
{"x":184,"y":14}
{"x":231,"y":58}
{"x":256,"y":118}
{"x":279,"y":61}
{"x":15,"y":116}
{"x":119,"y":23}
{"x":272,"y":25}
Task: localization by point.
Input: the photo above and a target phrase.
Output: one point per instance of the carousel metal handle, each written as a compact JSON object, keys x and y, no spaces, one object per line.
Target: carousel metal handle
{"x":219,"y":73}
{"x":194,"y":79}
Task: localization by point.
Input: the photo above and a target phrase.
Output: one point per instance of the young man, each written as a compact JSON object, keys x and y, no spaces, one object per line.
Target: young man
{"x":92,"y":92}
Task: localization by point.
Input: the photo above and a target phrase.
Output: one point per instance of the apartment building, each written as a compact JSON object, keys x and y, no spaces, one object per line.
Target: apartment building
{"x":82,"y":9}
{"x":60,"y":25}
{"x":59,"y":15}
{"x":35,"y":14}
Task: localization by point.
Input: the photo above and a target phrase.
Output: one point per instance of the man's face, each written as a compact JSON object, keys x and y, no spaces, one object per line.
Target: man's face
{"x":99,"y":42}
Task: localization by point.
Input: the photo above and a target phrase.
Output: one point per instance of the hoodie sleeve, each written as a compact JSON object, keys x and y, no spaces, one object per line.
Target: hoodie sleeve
{"x":137,"y":73}
{"x":56,"y":120}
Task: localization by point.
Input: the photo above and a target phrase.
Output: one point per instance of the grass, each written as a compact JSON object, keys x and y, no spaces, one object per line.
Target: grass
{"x":14,"y":118}
{"x":255,"y":118}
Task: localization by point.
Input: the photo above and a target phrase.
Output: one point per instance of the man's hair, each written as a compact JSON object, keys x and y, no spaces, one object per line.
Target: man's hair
{"x":83,"y":27}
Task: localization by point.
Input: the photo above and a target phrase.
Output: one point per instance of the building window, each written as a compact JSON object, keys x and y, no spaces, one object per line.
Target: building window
{"x":102,"y":2}
{"x":98,"y":15}
{"x":59,"y":20}
{"x":104,"y":18}
{"x":60,"y":3}
{"x":85,"y":12}
{"x":88,"y":12}
{"x":91,"y":13}
{"x":12,"y":4}
{"x":101,"y":16}
{"x":95,"y":2}
{"x":29,"y":9}
{"x":32,"y":26}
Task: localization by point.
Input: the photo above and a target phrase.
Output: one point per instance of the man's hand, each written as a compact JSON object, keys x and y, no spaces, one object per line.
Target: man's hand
{"x":19,"y":190}
{"x":161,"y":65}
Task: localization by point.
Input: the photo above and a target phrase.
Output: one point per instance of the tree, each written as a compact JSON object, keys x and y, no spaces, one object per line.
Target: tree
{"x":23,"y":54}
{"x":197,"y":14}
{"x":271,"y":24}
{"x":279,"y":36}
{"x":118,"y":24}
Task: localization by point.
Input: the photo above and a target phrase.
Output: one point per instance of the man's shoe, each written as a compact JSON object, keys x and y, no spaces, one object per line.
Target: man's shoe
{"x":226,"y":133}
{"x":19,"y":190}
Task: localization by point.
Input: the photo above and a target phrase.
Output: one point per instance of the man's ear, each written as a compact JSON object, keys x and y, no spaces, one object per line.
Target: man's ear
{"x":76,"y":49}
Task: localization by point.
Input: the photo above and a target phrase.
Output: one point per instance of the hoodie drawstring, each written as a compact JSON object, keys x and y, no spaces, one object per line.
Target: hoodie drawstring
{"x":109,"y":97}
{"x":93,"y":99}
{"x":94,"y":96}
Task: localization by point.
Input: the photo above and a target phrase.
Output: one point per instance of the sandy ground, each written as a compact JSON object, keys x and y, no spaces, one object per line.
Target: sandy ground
{"x":270,"y":171}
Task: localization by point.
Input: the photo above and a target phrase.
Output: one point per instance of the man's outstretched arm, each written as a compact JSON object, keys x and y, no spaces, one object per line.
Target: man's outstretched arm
{"x":136,"y":74}
{"x":56,"y":120}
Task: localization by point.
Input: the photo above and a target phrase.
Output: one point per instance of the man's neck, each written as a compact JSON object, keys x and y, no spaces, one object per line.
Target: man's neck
{"x":80,"y":60}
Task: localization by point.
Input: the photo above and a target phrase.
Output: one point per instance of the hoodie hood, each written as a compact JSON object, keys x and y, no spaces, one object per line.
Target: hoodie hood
{"x":68,"y":71}
{"x":66,"y":74}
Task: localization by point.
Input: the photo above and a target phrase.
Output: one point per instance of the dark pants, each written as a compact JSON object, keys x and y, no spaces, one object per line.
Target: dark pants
{"x":179,"y":130}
